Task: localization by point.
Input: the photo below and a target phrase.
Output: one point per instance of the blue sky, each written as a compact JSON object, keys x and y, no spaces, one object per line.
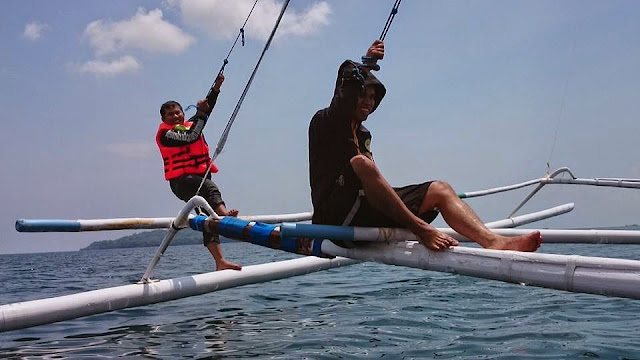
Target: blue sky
{"x":480,"y":94}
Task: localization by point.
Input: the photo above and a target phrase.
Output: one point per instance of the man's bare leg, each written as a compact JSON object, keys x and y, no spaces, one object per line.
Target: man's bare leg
{"x":464,"y":221}
{"x":382,"y":196}
{"x":216,"y":249}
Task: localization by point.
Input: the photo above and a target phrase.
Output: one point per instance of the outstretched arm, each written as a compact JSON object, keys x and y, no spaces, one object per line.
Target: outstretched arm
{"x":212,"y":96}
{"x":181,"y":136}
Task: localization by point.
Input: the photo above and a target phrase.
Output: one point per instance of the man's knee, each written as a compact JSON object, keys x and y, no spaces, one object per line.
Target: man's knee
{"x":441,"y":189}
{"x":362,"y":165}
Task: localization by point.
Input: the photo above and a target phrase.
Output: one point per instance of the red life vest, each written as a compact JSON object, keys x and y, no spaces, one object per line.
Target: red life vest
{"x":191,"y":159}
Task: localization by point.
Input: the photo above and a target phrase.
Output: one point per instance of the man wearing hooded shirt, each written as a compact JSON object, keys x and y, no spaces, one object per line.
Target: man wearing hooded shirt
{"x":348,"y":189}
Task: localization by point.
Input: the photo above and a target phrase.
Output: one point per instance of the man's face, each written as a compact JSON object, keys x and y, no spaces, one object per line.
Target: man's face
{"x":365,"y":105}
{"x":173,"y":115}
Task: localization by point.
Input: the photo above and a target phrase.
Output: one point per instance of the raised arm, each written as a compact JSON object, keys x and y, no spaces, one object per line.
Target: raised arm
{"x":374,"y":53}
{"x":212,"y":97}
{"x":181,"y":136}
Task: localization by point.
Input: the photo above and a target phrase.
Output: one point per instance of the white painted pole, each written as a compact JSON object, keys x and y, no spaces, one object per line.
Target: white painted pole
{"x":276,"y":219}
{"x":397,"y":235}
{"x":603,"y":276}
{"x":549,"y":236}
{"x":45,"y":311}
{"x":551,"y":179}
{"x":390,"y":235}
{"x":181,"y":221}
{"x":629,"y":183}
{"x":560,"y":236}
{"x":496,"y":190}
{"x":59,"y":225}
{"x":532,"y":217}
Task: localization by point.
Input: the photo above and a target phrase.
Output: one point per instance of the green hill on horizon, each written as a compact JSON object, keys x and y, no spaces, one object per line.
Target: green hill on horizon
{"x":151,"y":238}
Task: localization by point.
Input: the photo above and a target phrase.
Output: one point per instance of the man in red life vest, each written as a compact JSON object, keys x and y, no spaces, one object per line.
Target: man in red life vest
{"x":186,"y":159}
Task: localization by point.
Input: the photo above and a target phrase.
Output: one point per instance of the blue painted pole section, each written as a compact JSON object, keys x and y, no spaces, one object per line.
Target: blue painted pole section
{"x":197,"y":222}
{"x":232,"y":227}
{"x":260,"y":234}
{"x":317,"y":247}
{"x":289,"y":244}
{"x":315,"y":231}
{"x":23,"y":225}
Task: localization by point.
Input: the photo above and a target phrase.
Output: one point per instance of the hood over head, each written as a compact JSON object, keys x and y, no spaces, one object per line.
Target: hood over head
{"x":346,"y":73}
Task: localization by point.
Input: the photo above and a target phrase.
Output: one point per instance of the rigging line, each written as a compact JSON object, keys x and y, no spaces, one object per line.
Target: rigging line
{"x":561,"y":115}
{"x":226,"y":60}
{"x":394,"y":11}
{"x":240,"y":33}
{"x":370,"y":61}
{"x":227,"y":129}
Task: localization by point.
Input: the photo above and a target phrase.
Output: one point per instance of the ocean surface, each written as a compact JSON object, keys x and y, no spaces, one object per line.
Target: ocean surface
{"x":364,"y":311}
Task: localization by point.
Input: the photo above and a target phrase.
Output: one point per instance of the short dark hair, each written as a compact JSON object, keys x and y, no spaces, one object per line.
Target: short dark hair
{"x":167,"y":105}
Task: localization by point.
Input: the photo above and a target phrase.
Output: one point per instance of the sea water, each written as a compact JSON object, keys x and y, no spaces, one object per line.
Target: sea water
{"x":364,"y":311}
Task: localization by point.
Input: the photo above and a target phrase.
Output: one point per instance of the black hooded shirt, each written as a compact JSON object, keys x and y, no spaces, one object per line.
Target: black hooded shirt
{"x":331,"y":137}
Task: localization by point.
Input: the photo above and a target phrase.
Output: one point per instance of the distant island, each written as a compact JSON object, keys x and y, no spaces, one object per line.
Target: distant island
{"x":625,"y":227}
{"x":153,"y":238}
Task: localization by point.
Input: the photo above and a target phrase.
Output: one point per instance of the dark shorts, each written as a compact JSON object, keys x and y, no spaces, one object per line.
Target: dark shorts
{"x":340,"y":210}
{"x":185,"y":188}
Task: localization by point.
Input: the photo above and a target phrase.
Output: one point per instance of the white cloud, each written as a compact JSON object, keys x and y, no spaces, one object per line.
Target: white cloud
{"x":111,"y":68}
{"x":144,"y":31}
{"x":33,"y":30}
{"x":223,"y":18}
{"x":132,"y":150}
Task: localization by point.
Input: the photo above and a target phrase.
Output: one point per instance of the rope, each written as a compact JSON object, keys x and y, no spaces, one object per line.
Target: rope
{"x":371,"y":61}
{"x":394,"y":11}
{"x":227,"y":129}
{"x":561,"y":115}
{"x":226,"y":59}
{"x":240,"y":34}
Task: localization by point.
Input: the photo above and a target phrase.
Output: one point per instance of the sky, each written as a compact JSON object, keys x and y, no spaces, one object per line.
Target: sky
{"x":479,"y":94}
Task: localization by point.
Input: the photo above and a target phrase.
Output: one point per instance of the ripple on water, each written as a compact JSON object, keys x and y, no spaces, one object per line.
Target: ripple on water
{"x":361,"y":311}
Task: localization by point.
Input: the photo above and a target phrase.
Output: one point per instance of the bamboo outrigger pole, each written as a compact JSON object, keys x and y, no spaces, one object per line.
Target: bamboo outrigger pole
{"x":45,"y":311}
{"x":594,"y":275}
{"x":62,"y":225}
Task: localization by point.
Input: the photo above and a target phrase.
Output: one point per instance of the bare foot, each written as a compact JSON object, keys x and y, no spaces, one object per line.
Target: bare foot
{"x":529,"y":242}
{"x":436,"y":240}
{"x":225,"y":264}
{"x":233,"y":212}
